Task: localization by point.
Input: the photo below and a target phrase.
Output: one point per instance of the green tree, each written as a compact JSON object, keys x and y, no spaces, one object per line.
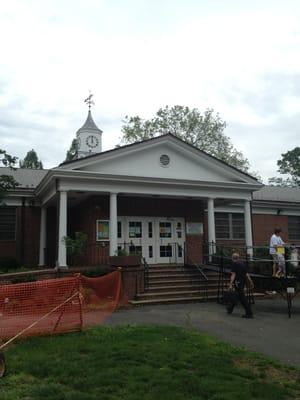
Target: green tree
{"x":204,"y":131}
{"x":76,"y":246}
{"x":73,"y":151}
{"x":7,"y":181}
{"x":31,"y":161}
{"x":278,"y":181}
{"x":288,"y":164}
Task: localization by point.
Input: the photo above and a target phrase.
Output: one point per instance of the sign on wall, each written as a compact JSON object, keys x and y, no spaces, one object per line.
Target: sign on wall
{"x":102,"y":230}
{"x":194,"y":228}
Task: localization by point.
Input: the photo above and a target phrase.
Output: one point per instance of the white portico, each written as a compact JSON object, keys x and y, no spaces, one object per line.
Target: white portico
{"x":164,"y":168}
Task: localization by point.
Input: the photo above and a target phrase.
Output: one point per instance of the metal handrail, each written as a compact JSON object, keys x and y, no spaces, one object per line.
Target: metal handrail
{"x":287,"y":286}
{"x":219,"y":253}
{"x":146,"y":273}
{"x":202,"y":274}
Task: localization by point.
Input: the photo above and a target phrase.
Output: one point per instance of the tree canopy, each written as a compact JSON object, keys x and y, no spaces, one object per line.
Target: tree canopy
{"x":72,"y":152}
{"x":6,"y":181}
{"x":31,"y":161}
{"x":204,"y":131}
{"x":288,"y":164}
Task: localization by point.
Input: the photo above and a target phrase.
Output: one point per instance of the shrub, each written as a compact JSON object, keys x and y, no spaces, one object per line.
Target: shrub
{"x":8,"y":263}
{"x":99,"y":271}
{"x":76,"y":247}
{"x":24,"y":279}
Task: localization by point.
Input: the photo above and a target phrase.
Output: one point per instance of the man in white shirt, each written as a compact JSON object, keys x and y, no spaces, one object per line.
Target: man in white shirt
{"x":277,"y":251}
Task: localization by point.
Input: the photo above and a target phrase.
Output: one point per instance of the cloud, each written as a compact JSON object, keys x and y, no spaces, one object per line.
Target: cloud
{"x":139,"y":55}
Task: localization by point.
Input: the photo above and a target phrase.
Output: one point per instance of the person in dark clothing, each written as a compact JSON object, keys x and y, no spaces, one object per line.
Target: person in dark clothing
{"x":238,"y":279}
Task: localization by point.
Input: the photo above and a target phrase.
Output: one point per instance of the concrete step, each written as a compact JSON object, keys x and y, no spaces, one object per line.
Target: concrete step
{"x":166,"y":266}
{"x":174,"y":287}
{"x":180,"y":272}
{"x":171,"y":300}
{"x":168,"y":282}
{"x":166,"y":300}
{"x":167,"y":271}
{"x":173,"y":276}
{"x":171,"y":282}
{"x":174,"y":294}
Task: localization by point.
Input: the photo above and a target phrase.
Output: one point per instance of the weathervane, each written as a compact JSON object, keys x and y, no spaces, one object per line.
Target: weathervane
{"x":89,"y":101}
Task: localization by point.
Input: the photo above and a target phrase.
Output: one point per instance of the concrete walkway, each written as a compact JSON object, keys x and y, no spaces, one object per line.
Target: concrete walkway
{"x":271,"y":332}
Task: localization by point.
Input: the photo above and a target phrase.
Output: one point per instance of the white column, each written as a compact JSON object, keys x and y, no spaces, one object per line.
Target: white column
{"x":248,"y":227}
{"x":113,"y":225}
{"x":43,"y":236}
{"x":62,"y":230}
{"x":211,"y":226}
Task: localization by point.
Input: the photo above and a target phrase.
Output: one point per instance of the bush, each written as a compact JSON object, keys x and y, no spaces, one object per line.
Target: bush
{"x":76,"y":247}
{"x":24,"y":279}
{"x":8,"y":263}
{"x":99,"y":271}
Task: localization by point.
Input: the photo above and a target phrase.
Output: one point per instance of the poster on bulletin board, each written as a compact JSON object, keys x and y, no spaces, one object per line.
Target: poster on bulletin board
{"x":102,"y":230}
{"x":194,"y":228}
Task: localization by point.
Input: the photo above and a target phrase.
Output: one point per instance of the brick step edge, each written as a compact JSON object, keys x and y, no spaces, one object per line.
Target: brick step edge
{"x":172,"y":300}
{"x":185,"y":281}
{"x":190,"y":299}
{"x":187,"y":286}
{"x":183,"y":275}
{"x":174,"y":294}
{"x":178,"y":293}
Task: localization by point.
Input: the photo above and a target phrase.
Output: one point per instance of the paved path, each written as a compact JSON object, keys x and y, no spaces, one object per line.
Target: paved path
{"x":271,"y":332}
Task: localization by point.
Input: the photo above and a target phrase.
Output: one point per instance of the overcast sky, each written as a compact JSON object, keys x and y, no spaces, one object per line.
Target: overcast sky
{"x":241,"y":58}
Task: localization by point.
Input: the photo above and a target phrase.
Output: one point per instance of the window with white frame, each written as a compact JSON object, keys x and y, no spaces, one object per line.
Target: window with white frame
{"x":229,"y":226}
{"x":294,"y":227}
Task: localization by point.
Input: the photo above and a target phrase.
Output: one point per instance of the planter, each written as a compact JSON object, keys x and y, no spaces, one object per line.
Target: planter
{"x":125,"y":261}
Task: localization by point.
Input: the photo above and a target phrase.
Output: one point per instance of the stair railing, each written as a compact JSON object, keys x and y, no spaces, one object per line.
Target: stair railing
{"x":146,"y":273}
{"x":202,"y":275}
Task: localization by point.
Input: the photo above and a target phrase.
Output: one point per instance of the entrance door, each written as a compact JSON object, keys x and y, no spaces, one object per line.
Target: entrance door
{"x":170,"y":240}
{"x":137,"y":237}
{"x":158,"y":240}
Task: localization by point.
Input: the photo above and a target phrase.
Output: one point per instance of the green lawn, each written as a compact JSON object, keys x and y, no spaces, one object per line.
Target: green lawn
{"x":142,"y":363}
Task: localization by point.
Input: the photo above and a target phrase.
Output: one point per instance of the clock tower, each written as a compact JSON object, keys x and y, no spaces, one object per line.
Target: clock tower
{"x":89,"y":136}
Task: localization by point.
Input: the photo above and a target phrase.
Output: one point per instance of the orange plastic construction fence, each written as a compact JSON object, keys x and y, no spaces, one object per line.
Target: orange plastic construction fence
{"x":58,"y":305}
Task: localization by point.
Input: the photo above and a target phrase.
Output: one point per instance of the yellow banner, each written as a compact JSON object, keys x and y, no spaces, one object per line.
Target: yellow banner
{"x":280,"y":250}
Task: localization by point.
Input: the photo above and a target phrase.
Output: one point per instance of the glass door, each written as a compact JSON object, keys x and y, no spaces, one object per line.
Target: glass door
{"x":158,"y":240}
{"x":170,"y":240}
{"x":165,"y":237}
{"x":135,"y":236}
{"x":138,"y":237}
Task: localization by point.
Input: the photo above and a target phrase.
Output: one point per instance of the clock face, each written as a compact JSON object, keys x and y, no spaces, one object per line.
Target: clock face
{"x":92,"y":141}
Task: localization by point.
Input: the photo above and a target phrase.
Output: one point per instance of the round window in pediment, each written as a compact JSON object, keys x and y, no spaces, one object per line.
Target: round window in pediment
{"x":164,"y":160}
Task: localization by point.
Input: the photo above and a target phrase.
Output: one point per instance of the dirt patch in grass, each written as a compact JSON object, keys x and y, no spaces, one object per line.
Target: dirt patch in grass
{"x":269,"y":372}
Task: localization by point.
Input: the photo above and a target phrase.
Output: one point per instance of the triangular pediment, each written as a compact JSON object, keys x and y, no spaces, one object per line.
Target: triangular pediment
{"x":165,"y":157}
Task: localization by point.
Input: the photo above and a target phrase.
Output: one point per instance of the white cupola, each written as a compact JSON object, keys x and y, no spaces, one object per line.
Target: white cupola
{"x":89,"y":136}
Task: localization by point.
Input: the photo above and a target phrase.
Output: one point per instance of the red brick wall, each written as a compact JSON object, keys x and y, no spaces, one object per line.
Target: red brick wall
{"x":51,"y":236}
{"x":263,"y":227}
{"x":32,"y":235}
{"x":194,"y":243}
{"x":26,"y":246}
{"x":83,"y":218}
{"x":8,"y":248}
